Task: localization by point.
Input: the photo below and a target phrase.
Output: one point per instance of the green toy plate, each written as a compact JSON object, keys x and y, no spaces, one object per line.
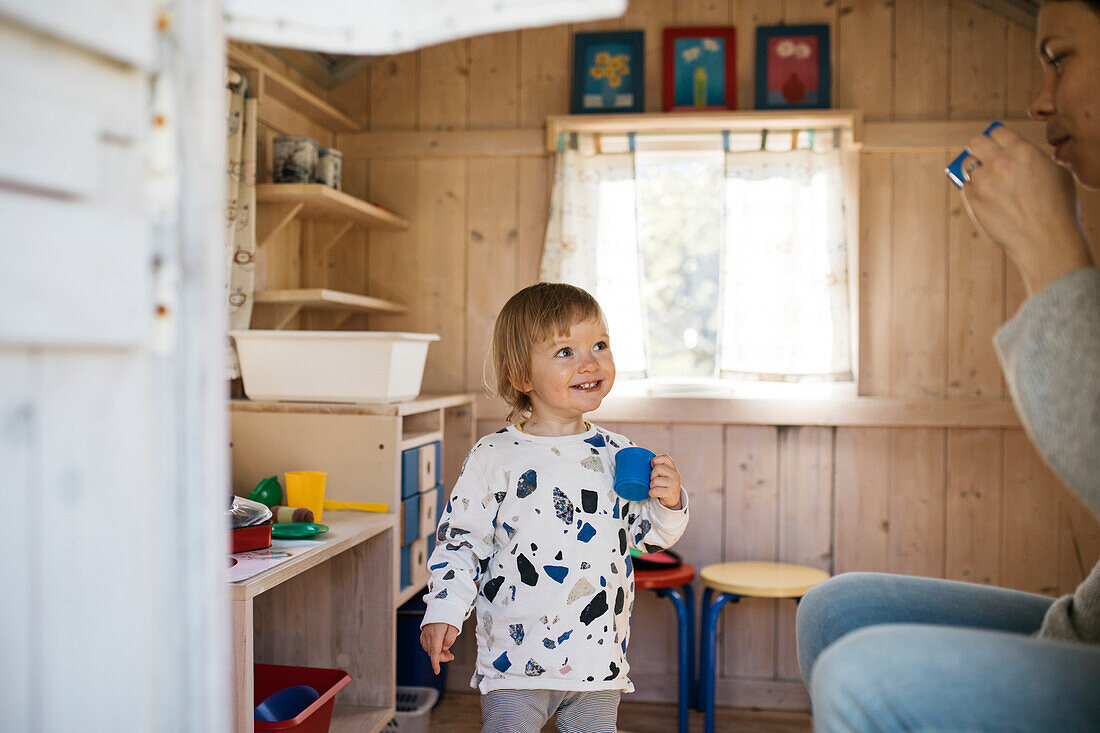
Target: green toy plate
{"x":297,"y":530}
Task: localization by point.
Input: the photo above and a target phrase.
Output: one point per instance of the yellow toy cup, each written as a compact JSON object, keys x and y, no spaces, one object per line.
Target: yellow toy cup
{"x":306,"y":489}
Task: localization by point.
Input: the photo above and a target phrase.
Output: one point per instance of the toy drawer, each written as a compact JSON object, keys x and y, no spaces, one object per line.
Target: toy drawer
{"x":420,"y":469}
{"x":410,"y":519}
{"x":414,"y":563}
{"x":429,"y":501}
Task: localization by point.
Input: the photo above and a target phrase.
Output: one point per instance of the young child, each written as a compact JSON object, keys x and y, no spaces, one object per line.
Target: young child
{"x":534,"y":538}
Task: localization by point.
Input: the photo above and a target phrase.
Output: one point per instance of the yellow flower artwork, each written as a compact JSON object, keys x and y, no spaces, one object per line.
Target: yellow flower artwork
{"x":612,"y":68}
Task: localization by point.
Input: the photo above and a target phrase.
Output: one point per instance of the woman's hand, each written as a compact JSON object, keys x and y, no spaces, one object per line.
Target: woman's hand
{"x":664,"y":481}
{"x":1027,"y":205}
{"x":437,"y":640}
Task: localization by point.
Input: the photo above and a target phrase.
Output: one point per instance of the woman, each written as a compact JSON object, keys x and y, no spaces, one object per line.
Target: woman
{"x":883,"y":652}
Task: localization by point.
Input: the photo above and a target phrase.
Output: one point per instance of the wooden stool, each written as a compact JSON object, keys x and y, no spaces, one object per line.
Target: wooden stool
{"x":734,"y":581}
{"x":676,"y":585}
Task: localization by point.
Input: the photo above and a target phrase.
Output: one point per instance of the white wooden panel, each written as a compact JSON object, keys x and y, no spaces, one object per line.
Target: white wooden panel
{"x":67,"y":117}
{"x":74,"y":268}
{"x":355,"y":27}
{"x":120,"y":29}
{"x":94,"y":505}
{"x":72,"y":273}
{"x":17,"y":634}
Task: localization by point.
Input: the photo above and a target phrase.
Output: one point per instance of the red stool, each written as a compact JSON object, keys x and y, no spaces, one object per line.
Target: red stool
{"x":675,"y":584}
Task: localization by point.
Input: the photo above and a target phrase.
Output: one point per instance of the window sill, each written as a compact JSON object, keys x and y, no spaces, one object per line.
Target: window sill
{"x":710,"y":409}
{"x":730,"y":389}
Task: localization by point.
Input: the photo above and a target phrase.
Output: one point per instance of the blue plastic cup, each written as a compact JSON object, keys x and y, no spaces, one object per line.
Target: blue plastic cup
{"x":632,"y":469}
{"x":954,"y":170}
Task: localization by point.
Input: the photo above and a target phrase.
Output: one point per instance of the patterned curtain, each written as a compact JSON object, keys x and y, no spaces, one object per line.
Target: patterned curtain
{"x":783,"y":253}
{"x":240,"y":233}
{"x":591,"y":241}
{"x":785,"y":271}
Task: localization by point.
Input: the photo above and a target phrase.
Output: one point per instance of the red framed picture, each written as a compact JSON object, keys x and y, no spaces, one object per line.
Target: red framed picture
{"x":699,"y":68}
{"x":792,"y":67}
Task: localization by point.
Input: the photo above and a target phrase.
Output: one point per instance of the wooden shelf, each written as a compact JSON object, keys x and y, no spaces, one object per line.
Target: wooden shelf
{"x":322,"y":202}
{"x":423,"y":403}
{"x":359,"y":719}
{"x":325,"y":299}
{"x":701,"y":121}
{"x":276,"y":308}
{"x":412,"y":440}
{"x":291,"y":94}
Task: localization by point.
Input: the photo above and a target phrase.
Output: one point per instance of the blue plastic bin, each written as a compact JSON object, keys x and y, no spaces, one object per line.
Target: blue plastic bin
{"x":414,"y":668}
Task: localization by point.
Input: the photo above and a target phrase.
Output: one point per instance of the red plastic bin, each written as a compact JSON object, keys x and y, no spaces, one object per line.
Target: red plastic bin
{"x":270,"y":678}
{"x":256,"y":537}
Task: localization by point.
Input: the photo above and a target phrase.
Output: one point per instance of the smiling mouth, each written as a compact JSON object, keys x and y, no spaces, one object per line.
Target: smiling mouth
{"x":588,"y":386}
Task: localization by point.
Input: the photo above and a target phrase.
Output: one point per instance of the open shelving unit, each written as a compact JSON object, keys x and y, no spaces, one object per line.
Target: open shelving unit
{"x":325,"y":215}
{"x":328,"y":215}
{"x":321,"y":596}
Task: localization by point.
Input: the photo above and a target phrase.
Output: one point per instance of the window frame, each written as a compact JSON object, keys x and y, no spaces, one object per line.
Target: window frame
{"x":613,"y":130}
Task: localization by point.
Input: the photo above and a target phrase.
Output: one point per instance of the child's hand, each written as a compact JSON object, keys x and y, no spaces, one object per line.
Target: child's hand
{"x":664,"y":481}
{"x":436,"y":640}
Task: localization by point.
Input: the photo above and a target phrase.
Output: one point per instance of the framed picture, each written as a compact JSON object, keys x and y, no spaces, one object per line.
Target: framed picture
{"x":608,"y":72}
{"x":699,"y":68}
{"x":792,"y":67}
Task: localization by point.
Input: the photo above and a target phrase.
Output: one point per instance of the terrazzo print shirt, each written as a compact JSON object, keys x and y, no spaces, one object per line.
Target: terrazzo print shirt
{"x":535,"y":540}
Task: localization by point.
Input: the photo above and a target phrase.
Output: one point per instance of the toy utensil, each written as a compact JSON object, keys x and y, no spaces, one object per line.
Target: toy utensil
{"x":362,"y":506}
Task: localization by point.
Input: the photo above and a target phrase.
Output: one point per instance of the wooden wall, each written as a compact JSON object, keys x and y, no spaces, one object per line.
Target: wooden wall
{"x":448,"y":147}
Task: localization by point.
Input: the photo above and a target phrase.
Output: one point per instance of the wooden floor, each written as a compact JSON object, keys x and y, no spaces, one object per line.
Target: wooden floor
{"x":460,"y":712}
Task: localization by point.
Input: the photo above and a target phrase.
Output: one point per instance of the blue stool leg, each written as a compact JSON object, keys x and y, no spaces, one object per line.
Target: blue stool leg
{"x":693,"y":674}
{"x":708,"y":667}
{"x":686,"y":641}
{"x":708,"y":596}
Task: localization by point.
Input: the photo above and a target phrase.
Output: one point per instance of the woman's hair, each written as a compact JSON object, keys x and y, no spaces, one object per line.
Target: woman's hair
{"x":533,"y":315}
{"x":1094,"y":5}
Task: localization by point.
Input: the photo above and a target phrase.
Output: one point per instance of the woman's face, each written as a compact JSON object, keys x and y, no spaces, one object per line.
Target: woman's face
{"x":1068,"y":34}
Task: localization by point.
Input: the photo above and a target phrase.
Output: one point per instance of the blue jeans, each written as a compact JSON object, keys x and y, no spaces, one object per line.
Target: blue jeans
{"x":899,"y":653}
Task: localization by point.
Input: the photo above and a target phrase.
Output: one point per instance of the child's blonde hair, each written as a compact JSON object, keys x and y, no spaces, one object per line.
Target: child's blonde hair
{"x":535,"y":314}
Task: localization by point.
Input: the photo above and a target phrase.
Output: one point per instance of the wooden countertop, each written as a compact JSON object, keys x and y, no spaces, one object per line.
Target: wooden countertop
{"x":423,"y":403}
{"x":346,"y":529}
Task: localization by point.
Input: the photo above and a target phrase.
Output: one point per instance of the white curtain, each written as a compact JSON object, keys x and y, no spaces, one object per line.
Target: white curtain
{"x":240,"y":218}
{"x":783,"y":280}
{"x":785,"y":272}
{"x":591,"y":241}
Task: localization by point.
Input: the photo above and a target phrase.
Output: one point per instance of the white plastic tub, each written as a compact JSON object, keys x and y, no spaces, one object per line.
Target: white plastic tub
{"x":414,"y":709}
{"x":332,"y":366}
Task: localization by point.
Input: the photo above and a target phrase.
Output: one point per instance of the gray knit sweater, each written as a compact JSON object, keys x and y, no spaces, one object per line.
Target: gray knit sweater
{"x":1050,"y":353}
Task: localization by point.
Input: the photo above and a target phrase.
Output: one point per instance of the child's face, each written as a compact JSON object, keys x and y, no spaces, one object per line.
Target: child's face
{"x":571,"y":374}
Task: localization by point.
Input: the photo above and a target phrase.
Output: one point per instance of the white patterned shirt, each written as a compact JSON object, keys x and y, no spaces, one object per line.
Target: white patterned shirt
{"x":536,"y":541}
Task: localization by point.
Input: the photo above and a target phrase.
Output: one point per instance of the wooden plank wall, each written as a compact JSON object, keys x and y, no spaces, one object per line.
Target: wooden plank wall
{"x":971,"y":504}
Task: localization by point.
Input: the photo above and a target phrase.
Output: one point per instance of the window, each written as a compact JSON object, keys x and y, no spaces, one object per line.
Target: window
{"x":718,"y":258}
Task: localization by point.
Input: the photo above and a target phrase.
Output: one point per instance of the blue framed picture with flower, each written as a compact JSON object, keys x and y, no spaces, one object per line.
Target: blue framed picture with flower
{"x":608,"y":72}
{"x":792,"y":67}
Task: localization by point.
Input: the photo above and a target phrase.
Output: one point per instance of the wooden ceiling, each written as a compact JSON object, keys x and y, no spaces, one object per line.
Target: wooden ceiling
{"x":327,"y":70}
{"x":1019,"y":11}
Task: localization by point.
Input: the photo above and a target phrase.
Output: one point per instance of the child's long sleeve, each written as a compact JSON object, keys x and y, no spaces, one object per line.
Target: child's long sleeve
{"x":653,"y":526}
{"x":464,"y":542}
